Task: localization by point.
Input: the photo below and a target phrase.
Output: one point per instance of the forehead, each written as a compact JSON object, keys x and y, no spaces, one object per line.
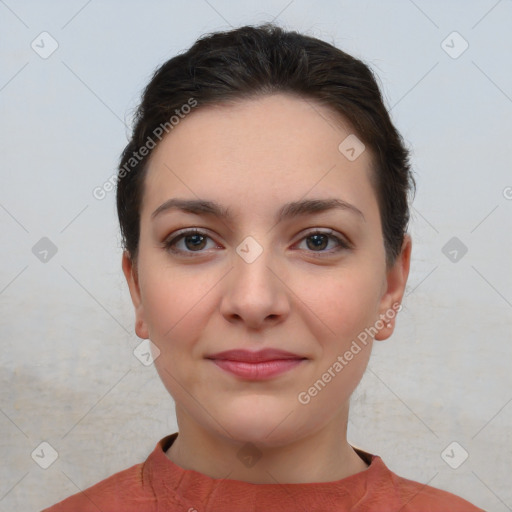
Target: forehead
{"x":259,"y":151}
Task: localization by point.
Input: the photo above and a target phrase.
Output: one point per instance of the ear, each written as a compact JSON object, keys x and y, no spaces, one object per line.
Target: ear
{"x":132,"y":278}
{"x":396,"y":279}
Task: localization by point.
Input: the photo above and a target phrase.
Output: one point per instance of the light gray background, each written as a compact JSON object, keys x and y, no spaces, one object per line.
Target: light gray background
{"x":68,"y":373}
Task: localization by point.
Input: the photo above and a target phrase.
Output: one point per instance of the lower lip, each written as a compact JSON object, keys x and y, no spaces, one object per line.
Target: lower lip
{"x":257,"y":371}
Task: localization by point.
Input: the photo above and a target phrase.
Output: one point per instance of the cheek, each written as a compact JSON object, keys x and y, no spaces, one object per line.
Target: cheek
{"x":344,"y":302}
{"x":175,"y":311}
{"x":176,"y":304}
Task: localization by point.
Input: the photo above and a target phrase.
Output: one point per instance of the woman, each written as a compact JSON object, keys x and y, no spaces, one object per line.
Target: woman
{"x":263,"y":203}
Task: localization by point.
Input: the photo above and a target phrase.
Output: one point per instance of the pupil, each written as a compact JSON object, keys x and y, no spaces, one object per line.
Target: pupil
{"x":319,"y":241}
{"x":198,"y":240}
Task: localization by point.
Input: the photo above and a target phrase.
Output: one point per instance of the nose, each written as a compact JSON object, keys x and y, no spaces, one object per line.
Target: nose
{"x":254,"y":294}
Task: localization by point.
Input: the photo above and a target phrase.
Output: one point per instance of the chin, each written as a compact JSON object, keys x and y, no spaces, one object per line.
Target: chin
{"x":268,"y":426}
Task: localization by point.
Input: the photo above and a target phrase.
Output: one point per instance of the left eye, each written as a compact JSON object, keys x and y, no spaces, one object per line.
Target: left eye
{"x":318,"y":241}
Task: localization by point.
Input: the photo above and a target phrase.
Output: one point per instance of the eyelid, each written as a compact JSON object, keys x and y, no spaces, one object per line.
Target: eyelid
{"x":187,"y":231}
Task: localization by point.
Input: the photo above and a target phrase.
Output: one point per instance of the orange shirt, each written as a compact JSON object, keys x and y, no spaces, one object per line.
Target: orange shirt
{"x":159,"y":485}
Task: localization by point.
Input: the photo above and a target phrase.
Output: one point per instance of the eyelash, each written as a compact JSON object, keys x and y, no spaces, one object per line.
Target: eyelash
{"x":169,"y":243}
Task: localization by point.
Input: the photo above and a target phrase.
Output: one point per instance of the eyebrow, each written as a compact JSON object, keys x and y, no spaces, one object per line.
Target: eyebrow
{"x":287,"y":211}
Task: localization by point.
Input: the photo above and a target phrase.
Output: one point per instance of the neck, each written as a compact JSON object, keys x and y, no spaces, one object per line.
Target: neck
{"x":322,"y":456}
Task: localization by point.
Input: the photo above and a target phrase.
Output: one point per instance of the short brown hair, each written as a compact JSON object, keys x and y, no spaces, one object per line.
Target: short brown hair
{"x":266,"y":59}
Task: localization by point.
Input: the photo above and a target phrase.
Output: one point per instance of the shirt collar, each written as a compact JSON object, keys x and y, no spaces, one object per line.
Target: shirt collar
{"x":196,"y":491}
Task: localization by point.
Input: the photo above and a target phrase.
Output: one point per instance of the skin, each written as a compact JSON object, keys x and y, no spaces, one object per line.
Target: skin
{"x":253,"y":156}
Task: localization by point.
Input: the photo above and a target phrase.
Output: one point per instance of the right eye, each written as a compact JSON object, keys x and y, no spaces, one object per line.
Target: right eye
{"x":191,"y":240}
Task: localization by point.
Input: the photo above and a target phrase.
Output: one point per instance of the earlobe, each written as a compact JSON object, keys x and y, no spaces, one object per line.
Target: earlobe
{"x":396,"y":281}
{"x":141,"y":330}
{"x":132,"y":279}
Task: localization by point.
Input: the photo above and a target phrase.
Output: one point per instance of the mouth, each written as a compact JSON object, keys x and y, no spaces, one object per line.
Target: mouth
{"x":259,"y":365}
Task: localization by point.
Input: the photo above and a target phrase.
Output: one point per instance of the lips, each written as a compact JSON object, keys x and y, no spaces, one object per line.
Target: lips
{"x":259,"y":365}
{"x":247,"y":356}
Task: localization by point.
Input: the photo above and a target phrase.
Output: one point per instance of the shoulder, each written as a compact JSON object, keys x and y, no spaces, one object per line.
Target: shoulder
{"x":122,"y":491}
{"x":411,"y":496}
{"x":420,"y":497}
{"x":130,"y":490}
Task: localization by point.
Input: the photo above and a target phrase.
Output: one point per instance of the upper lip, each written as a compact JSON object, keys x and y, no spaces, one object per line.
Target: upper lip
{"x":267,"y":354}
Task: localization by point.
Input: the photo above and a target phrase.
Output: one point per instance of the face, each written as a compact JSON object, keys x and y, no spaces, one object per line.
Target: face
{"x":276,"y":264}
